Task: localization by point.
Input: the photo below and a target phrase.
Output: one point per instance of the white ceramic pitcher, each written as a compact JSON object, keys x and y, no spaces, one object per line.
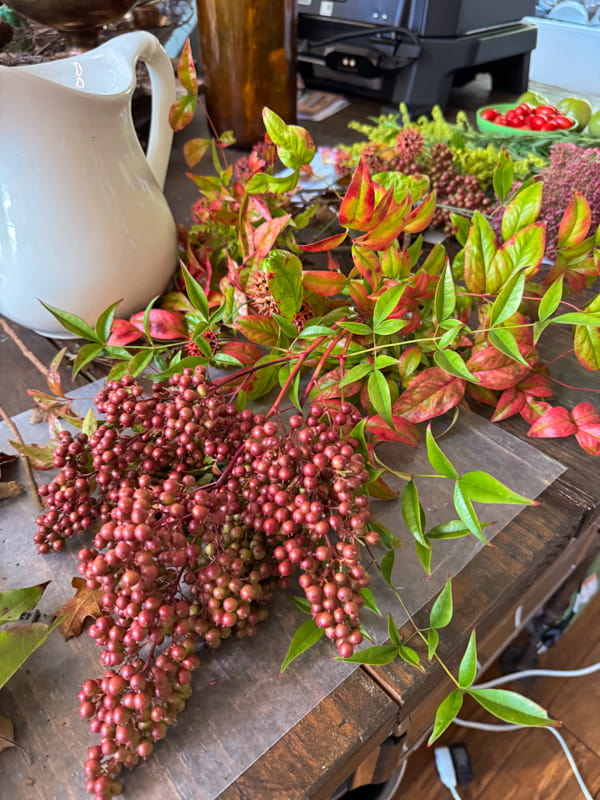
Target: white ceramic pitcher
{"x":83,"y":219}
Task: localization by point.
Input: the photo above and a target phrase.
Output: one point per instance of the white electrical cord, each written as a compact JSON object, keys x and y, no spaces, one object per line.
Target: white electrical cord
{"x":448,"y":776}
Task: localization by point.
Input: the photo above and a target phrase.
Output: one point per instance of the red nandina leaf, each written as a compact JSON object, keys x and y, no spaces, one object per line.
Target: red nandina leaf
{"x":534,"y":409}
{"x":575,"y":222}
{"x":393,"y":221}
{"x":509,"y":403}
{"x":357,"y":207}
{"x":329,"y":243}
{"x":420,"y":217}
{"x":496,"y":370}
{"x":322,"y":282}
{"x":259,"y":329}
{"x":378,"y":488}
{"x":360,"y":296}
{"x":122,"y":333}
{"x":429,"y":394}
{"x":245,"y":352}
{"x":403,"y":430}
{"x":482,"y":395}
{"x":53,"y":378}
{"x":554,"y":423}
{"x":333,"y":264}
{"x":589,"y":439}
{"x":265,"y":235}
{"x":162,"y":324}
{"x":328,"y":386}
{"x":584,"y":414}
{"x":367,"y":263}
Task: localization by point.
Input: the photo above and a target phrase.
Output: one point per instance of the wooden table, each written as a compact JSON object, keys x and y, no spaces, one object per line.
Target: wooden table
{"x":497,"y":592}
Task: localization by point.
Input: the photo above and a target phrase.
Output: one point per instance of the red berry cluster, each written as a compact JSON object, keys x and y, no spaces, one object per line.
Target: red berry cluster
{"x":201,"y":510}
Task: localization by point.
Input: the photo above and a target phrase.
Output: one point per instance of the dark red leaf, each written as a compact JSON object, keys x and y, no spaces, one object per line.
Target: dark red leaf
{"x":403,"y":430}
{"x":163,"y":325}
{"x":554,"y":423}
{"x":429,"y":394}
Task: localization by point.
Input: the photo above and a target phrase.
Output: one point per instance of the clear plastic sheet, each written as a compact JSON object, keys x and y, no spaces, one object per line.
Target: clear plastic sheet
{"x":240,"y":705}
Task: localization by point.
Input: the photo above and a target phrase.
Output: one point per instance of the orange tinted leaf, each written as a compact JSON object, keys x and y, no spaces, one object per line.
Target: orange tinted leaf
{"x":259,"y":329}
{"x":245,"y":352}
{"x":186,"y":71}
{"x":194,"y":149}
{"x":429,"y":394}
{"x":39,"y":457}
{"x":322,"y":282}
{"x":325,"y":244}
{"x":53,"y":379}
{"x":265,"y":235}
{"x":420,"y":217}
{"x":384,"y":233}
{"x":123,"y":333}
{"x":575,"y":222}
{"x":357,"y":207}
{"x":182,"y":112}
{"x":85,"y":604}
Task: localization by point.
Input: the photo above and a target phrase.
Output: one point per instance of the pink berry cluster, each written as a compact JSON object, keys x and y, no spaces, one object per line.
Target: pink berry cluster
{"x":200,"y":510}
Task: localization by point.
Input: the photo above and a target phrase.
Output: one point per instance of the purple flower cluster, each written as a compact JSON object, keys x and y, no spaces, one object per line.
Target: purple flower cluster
{"x":570,"y":167}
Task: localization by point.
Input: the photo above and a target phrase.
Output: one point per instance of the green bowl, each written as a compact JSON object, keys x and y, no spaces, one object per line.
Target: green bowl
{"x":485,"y":126}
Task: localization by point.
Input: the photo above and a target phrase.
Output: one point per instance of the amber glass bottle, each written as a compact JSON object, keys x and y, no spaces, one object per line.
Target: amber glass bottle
{"x":248,"y":52}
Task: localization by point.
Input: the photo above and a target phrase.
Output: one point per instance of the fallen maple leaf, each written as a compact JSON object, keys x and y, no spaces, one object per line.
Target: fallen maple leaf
{"x":84,"y":603}
{"x":10,"y":489}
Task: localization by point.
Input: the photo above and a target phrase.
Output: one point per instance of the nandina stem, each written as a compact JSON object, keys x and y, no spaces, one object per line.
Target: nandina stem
{"x":320,"y":365}
{"x":248,"y":371}
{"x":26,"y":462}
{"x":293,"y":372}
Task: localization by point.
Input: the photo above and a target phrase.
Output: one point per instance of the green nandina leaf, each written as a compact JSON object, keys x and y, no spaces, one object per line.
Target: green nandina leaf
{"x":73,"y":323}
{"x":90,"y":423}
{"x":413,"y":513}
{"x":287,"y":327}
{"x":388,"y":539}
{"x":424,"y":555}
{"x":523,"y":251}
{"x":512,"y":707}
{"x":587,"y":341}
{"x":301,"y":604}
{"x":453,"y":328}
{"x":433,"y":639}
{"x":40,"y":456}
{"x":307,"y":635}
{"x":356,"y":373}
{"x":285,"y":281}
{"x":452,"y":363}
{"x":509,"y":298}
{"x":311,"y":331}
{"x":182,"y":111}
{"x":390,"y":326}
{"x":381,"y":362}
{"x":464,"y":509}
{"x":295,"y":146}
{"x":445,"y":295}
{"x":386,"y":303}
{"x":293,"y":389}
{"x":480,"y":249}
{"x":105,"y":321}
{"x":259,"y":329}
{"x":462,"y":226}
{"x":195,"y":293}
{"x":370,"y":601}
{"x":393,"y":631}
{"x":18,"y":642}
{"x":484,"y":488}
{"x":15,"y":602}
{"x":522,"y":210}
{"x":445,"y":714}
{"x":551,"y":299}
{"x":380,"y":396}
{"x":410,"y":656}
{"x":467,"y":670}
{"x":260,"y":183}
{"x":441,"y":611}
{"x":356,"y":327}
{"x":579,"y":318}
{"x":504,"y":341}
{"x":139,"y":362}
{"x":453,"y":529}
{"x":86,"y":354}
{"x":378,"y":655}
{"x":504,"y":175}
{"x":386,"y":566}
{"x":186,"y":71}
{"x":437,"y":458}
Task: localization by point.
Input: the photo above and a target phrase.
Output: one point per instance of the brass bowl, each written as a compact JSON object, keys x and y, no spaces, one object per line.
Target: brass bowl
{"x":79,"y":21}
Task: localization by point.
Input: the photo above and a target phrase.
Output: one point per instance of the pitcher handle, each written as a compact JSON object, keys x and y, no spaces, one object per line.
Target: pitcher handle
{"x":143,"y":46}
